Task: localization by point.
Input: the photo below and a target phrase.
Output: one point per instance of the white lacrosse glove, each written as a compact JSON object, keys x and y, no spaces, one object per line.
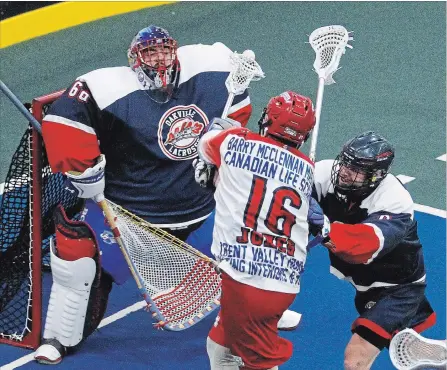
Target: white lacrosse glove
{"x":90,"y":183}
{"x":203,"y":173}
{"x":222,"y":124}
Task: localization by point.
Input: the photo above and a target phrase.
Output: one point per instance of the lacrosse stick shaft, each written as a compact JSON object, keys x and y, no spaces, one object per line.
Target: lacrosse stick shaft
{"x":15,"y":100}
{"x":110,"y":217}
{"x":228,"y":105}
{"x":319,"y":104}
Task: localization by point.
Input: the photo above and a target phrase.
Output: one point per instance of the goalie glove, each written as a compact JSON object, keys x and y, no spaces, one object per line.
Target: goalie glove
{"x":90,"y":183}
{"x":203,"y":173}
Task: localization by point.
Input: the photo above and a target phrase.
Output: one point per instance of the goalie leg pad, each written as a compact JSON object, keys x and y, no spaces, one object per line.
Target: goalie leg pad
{"x":72,"y":279}
{"x":70,"y":292}
{"x":99,"y":297}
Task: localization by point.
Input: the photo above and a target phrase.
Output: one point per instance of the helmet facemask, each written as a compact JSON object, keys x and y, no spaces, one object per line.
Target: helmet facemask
{"x":354,"y":181}
{"x":155,"y":62}
{"x":360,"y":167}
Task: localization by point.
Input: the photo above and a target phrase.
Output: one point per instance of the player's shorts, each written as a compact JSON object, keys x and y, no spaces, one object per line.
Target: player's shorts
{"x":247,"y":324}
{"x":385,"y":311}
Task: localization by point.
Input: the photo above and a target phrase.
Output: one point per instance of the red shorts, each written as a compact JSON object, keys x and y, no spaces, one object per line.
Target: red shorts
{"x":247,"y":324}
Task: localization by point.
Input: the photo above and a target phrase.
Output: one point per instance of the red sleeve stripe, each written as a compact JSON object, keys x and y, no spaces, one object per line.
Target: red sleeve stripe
{"x":242,"y":104}
{"x":356,"y":243}
{"x":379,"y":235}
{"x":242,"y":115}
{"x":51,"y":118}
{"x":69,"y":149}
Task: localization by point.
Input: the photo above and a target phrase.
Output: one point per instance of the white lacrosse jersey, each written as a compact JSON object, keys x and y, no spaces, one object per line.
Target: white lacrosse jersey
{"x":262,"y":200}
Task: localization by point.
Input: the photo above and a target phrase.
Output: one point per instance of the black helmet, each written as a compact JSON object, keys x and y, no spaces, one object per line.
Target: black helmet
{"x":362,"y":164}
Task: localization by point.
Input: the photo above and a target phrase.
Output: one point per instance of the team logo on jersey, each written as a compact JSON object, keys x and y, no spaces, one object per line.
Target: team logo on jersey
{"x":184,"y":125}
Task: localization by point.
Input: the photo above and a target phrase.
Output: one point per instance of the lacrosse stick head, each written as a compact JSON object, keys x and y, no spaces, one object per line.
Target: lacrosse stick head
{"x":245,"y":69}
{"x":329,"y":44}
{"x":410,"y":350}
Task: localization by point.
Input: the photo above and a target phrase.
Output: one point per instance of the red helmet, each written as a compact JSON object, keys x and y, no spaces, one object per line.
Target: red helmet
{"x":289,"y":117}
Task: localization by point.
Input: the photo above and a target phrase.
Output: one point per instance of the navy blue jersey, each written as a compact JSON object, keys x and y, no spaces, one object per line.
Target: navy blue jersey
{"x":149,"y":147}
{"x":375,"y":243}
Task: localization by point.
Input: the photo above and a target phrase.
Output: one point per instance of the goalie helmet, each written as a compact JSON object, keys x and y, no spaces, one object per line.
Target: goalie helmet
{"x":152,"y":55}
{"x":361,"y":165}
{"x":288,"y":118}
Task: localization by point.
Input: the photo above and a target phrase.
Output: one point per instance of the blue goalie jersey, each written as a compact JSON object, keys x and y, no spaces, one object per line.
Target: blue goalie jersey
{"x":149,"y":147}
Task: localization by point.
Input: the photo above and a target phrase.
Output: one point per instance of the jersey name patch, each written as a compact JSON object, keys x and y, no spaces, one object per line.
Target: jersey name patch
{"x":184,"y":125}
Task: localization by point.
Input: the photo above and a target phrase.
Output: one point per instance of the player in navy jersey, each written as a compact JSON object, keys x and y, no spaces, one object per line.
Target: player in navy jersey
{"x":132,"y":134}
{"x":373,"y":244}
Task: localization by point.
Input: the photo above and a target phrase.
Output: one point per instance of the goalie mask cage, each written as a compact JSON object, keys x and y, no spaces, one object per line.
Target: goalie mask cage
{"x":31,"y":192}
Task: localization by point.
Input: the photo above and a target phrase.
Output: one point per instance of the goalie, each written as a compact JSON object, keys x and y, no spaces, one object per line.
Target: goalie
{"x":146,"y":119}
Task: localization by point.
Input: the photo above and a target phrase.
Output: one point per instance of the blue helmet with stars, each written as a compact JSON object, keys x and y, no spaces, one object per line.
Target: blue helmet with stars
{"x":152,"y":55}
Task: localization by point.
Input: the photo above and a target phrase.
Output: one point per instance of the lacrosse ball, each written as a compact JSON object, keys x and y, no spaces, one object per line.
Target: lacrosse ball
{"x":249,"y":54}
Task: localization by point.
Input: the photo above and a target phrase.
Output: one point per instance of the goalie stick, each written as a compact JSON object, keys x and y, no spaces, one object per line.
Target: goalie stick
{"x":182,"y":304}
{"x":15,"y":100}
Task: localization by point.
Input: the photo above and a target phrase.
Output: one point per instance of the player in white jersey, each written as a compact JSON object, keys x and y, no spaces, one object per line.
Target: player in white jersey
{"x":261,"y":230}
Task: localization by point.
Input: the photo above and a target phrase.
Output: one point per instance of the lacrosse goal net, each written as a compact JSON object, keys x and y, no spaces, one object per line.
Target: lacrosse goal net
{"x":31,"y":192}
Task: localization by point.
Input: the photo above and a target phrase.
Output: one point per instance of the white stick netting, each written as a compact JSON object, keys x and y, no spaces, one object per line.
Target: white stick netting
{"x":181,"y":281}
{"x":409,"y":350}
{"x":329,"y":44}
{"x":246,"y":69}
